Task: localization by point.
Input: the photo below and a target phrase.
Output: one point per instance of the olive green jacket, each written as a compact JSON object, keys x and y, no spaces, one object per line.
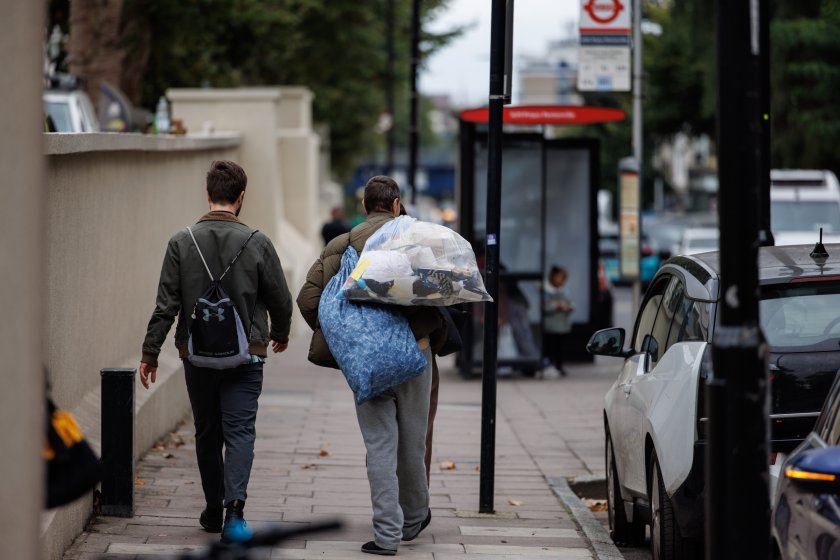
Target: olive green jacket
{"x":425,"y":322}
{"x":255,"y":284}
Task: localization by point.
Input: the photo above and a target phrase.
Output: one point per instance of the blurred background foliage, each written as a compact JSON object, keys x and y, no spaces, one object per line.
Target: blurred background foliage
{"x":337,"y":49}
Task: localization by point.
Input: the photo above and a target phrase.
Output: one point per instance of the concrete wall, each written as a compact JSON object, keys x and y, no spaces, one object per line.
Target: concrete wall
{"x":280,"y":152}
{"x":22,"y":255}
{"x":113,"y":201}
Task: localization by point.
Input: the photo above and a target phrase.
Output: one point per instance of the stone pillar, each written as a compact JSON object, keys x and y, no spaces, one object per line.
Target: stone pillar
{"x":22,"y":230}
{"x":253,"y":113}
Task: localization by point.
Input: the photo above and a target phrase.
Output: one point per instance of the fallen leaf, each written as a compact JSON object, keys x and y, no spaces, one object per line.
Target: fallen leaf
{"x":139,"y":482}
{"x":515,"y":502}
{"x":595,"y":505}
{"x":447,"y":466}
{"x":324,"y":453}
{"x":189,"y":482}
{"x":168,"y":455}
{"x":307,"y":466}
{"x":477,"y":469}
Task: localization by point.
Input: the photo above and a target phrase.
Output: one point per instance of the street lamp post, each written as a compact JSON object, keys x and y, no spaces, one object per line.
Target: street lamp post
{"x":414,"y":130}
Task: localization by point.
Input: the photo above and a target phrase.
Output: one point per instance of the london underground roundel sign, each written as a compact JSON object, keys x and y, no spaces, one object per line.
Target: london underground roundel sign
{"x":548,"y":114}
{"x":603,"y":11}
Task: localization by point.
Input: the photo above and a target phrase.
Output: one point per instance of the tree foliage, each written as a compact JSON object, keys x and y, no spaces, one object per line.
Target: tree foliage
{"x":335,"y":48}
{"x":680,"y":71}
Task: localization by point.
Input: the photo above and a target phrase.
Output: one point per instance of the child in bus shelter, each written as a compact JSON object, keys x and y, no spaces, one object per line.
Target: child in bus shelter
{"x":558,"y":317}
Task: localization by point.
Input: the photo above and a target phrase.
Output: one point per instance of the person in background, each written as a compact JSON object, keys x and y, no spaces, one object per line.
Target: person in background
{"x":558,"y":317}
{"x":336,"y":226}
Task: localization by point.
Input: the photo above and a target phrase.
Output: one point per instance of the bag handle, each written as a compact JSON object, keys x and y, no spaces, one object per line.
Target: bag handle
{"x":189,"y":229}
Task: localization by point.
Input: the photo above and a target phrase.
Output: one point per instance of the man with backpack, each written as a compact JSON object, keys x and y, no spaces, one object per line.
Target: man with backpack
{"x":222,"y":281}
{"x":394,"y":423}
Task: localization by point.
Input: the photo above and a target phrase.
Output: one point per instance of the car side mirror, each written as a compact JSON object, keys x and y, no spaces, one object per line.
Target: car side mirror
{"x":816,"y":471}
{"x":607,"y":342}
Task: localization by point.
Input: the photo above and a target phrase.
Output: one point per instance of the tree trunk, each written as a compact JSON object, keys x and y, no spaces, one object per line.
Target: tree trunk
{"x":95,"y":48}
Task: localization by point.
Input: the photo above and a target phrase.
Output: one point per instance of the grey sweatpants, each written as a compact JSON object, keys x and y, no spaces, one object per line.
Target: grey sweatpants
{"x":224,"y":405}
{"x":393,"y":426}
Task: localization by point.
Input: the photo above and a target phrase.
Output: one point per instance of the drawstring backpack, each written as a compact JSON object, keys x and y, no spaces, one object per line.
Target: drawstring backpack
{"x":217,"y":337}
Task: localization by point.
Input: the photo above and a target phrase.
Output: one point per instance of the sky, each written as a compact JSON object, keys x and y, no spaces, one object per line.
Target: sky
{"x":462,"y":68}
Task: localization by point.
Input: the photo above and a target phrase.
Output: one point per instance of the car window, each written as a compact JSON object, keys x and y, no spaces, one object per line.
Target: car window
{"x":668,"y":310}
{"x":60,"y":114}
{"x":801,"y":315}
{"x":805,"y":215}
{"x":692,"y":322}
{"x":647,"y":315}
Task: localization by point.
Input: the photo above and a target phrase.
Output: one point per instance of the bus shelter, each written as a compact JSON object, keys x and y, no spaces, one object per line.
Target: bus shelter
{"x":549,"y":218}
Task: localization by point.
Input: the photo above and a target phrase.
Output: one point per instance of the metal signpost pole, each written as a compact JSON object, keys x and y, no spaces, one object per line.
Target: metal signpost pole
{"x":765,"y":235}
{"x":390,"y":137}
{"x":638,"y":152}
{"x":413,"y":130}
{"x":737,"y":455}
{"x":494,"y":210}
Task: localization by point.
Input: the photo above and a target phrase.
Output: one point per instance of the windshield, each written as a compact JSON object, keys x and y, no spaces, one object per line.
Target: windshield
{"x":703,"y":243}
{"x":805,"y":215}
{"x":59,"y":112}
{"x":801,"y":315}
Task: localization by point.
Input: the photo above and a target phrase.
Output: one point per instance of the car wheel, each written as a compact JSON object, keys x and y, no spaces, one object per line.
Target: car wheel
{"x":621,"y":530}
{"x":665,"y":540}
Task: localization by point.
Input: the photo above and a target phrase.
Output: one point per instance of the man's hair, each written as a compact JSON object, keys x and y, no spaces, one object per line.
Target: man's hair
{"x":380,"y":193}
{"x":558,"y":270}
{"x":225,"y":181}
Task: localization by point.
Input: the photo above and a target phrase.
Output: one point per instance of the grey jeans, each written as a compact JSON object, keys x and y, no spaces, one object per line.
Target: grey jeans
{"x":393,"y":426}
{"x":224,"y":405}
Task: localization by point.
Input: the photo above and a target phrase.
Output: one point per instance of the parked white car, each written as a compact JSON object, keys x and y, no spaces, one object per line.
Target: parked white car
{"x":698,"y":240}
{"x":801,"y":202}
{"x":70,"y":111}
{"x":654,"y":418}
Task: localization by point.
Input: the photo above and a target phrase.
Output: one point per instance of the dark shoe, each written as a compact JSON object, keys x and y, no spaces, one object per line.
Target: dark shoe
{"x":211,"y":519}
{"x":371,"y":547}
{"x":423,"y":525}
{"x":235,"y":529}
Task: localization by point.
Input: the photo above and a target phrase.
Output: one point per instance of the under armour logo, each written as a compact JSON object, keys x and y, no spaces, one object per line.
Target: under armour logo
{"x":220,"y":314}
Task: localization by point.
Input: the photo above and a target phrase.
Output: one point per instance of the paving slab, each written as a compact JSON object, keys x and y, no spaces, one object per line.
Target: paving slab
{"x":309,"y":467}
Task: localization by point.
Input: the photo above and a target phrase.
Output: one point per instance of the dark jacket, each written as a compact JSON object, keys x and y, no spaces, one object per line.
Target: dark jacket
{"x":255,"y":283}
{"x":425,"y":322}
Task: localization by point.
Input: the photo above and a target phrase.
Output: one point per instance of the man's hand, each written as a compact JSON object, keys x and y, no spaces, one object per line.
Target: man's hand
{"x":148,"y":374}
{"x":278,"y":347}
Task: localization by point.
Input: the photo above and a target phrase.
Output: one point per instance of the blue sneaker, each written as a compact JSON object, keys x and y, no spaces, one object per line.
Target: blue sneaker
{"x":235,"y":529}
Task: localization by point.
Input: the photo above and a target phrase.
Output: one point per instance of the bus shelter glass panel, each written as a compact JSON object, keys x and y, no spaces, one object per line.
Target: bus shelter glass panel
{"x":521,"y":256}
{"x":568,"y":223}
{"x":521,"y":224}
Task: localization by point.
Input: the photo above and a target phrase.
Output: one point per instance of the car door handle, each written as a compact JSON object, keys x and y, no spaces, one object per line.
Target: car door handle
{"x":627,"y":389}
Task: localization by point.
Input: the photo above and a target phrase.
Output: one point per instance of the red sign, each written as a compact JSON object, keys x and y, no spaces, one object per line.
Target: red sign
{"x":548,"y":114}
{"x":603,"y":11}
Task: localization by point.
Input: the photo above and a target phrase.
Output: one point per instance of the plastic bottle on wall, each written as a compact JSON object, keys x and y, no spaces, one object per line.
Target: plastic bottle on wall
{"x":162,"y":116}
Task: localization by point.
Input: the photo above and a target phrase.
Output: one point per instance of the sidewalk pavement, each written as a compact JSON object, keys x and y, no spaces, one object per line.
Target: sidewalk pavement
{"x":310,"y":465}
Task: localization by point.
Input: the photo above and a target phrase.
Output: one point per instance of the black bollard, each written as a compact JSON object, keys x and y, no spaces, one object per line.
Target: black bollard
{"x":118,"y":442}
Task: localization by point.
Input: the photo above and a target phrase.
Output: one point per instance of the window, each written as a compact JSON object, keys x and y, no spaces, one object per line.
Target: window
{"x":691,"y":323}
{"x":805,"y":215}
{"x":671,"y":301}
{"x":801,"y":315}
{"x":647,"y":316}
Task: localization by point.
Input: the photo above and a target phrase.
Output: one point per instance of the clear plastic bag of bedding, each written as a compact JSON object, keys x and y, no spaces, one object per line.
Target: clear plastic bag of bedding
{"x":409,"y":262}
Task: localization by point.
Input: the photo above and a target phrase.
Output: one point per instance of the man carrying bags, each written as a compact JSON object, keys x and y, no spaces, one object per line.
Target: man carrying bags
{"x":393,"y":423}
